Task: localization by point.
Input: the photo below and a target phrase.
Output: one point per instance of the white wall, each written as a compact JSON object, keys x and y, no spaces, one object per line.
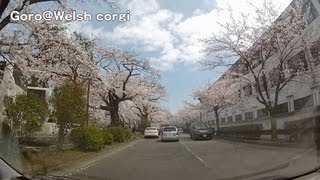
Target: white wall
{"x":7,"y":88}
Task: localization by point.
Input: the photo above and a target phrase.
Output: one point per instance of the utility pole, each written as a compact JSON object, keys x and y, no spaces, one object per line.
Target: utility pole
{"x":88,"y":100}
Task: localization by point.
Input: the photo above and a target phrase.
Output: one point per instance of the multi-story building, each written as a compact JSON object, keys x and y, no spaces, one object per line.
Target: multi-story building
{"x":298,"y":102}
{"x":50,"y":126}
{"x":12,"y":84}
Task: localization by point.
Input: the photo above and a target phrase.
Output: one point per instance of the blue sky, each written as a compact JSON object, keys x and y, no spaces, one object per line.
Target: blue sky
{"x":167,"y":32}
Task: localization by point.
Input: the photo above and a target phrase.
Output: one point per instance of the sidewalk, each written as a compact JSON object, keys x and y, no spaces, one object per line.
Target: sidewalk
{"x":270,"y":143}
{"x":294,"y":166}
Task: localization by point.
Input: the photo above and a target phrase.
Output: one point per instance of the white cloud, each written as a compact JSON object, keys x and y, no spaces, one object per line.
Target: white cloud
{"x":176,"y":39}
{"x":150,"y":31}
{"x":85,"y":28}
{"x":141,"y":7}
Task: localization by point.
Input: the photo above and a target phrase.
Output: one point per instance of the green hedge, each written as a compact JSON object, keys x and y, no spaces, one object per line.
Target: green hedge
{"x":88,"y":138}
{"x":108,"y":138}
{"x":120,"y":134}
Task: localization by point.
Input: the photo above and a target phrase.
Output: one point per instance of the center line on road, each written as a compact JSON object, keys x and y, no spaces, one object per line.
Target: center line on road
{"x":201,"y":160}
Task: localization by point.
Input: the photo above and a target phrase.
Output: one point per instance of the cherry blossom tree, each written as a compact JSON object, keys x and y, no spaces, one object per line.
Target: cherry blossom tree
{"x":122,"y":79}
{"x":128,"y":116}
{"x":218,"y":95}
{"x":189,"y":113}
{"x":58,"y":56}
{"x":148,"y":103}
{"x":266,"y":44}
{"x":15,"y":34}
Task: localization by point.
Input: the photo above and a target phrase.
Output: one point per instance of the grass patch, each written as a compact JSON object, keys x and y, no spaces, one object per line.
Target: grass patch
{"x":47,"y":162}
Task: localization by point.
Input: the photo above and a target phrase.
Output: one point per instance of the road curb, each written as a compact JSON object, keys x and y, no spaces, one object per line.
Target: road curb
{"x":84,"y":165}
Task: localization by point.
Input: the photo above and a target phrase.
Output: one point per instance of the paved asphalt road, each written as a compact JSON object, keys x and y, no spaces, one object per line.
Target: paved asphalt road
{"x":188,"y":159}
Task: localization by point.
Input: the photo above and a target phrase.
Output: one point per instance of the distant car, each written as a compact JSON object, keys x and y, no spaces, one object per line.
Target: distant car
{"x":161,"y":129}
{"x":151,"y":132}
{"x":170,"y":133}
{"x":200,"y":131}
{"x":180,"y":130}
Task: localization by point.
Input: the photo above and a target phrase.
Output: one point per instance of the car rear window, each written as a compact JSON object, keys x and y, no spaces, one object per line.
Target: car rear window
{"x":151,"y":128}
{"x":169,"y":129}
{"x":201,"y":126}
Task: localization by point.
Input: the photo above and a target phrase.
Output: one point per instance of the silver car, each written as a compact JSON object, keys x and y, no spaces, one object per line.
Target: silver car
{"x":170,"y":133}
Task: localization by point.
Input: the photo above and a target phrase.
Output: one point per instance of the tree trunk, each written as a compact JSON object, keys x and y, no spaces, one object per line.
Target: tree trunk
{"x":114,"y":113}
{"x":144,"y":123}
{"x":316,"y":137}
{"x":88,"y":102}
{"x":273,"y":121}
{"x":217,"y":121}
{"x":60,"y":138}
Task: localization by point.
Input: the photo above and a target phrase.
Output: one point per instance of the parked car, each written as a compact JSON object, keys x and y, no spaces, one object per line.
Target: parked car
{"x":151,"y":132}
{"x":170,"y":133}
{"x":200,"y":131}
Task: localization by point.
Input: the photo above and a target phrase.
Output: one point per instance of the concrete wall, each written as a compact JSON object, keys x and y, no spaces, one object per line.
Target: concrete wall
{"x":49,"y":129}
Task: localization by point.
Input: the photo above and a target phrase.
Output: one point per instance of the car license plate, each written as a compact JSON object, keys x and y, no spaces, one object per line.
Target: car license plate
{"x":204,"y":135}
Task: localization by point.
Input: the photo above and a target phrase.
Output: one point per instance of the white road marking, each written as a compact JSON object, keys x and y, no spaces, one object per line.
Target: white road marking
{"x":301,"y":154}
{"x":201,"y":160}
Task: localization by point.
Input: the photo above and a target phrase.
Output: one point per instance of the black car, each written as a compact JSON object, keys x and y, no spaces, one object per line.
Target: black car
{"x":200,"y":131}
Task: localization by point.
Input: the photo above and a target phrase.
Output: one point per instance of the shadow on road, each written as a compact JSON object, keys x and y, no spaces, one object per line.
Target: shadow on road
{"x":150,"y":137}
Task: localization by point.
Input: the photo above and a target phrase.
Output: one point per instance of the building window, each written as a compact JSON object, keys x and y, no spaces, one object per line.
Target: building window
{"x":239,"y":93}
{"x":262,"y":112}
{"x":281,"y":108}
{"x":276,"y":77}
{"x":308,"y":10}
{"x":40,"y":93}
{"x":247,"y":90}
{"x":223,"y":120}
{"x":229,"y":119}
{"x":248,"y":115}
{"x":2,"y":68}
{"x":315,"y":52}
{"x":302,"y":103}
{"x":18,"y":77}
{"x":262,"y":81}
{"x":298,"y":63}
{"x":244,"y":69}
{"x":238,"y":117}
{"x":256,"y":60}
